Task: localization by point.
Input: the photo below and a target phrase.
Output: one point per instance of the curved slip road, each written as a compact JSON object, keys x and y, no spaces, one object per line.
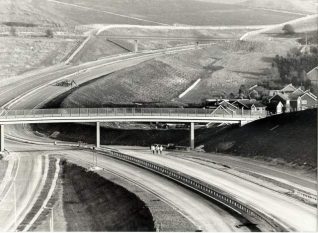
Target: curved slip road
{"x":205,"y":215}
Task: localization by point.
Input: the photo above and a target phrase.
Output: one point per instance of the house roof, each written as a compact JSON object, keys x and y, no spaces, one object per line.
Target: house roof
{"x":313,"y":74}
{"x":282,"y":96}
{"x":298,"y":92}
{"x":228,"y":104}
{"x":288,"y":88}
{"x":309,"y":94}
{"x":220,"y":107}
{"x":259,"y":105}
{"x":248,"y":103}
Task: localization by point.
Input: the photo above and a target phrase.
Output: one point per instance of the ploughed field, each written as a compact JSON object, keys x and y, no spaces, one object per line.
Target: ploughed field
{"x":186,"y":12}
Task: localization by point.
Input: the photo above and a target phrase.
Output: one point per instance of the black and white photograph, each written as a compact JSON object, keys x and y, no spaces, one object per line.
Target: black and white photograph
{"x":158,"y":115}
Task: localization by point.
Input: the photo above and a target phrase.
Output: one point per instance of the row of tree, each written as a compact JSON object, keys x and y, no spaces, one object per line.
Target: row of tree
{"x":294,"y":67}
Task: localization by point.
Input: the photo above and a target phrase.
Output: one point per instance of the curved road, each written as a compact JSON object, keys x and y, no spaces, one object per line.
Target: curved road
{"x":294,"y":214}
{"x":197,"y":209}
{"x":201,"y":212}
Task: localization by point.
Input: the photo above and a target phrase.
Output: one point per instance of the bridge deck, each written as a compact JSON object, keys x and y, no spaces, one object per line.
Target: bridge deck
{"x":127,"y":114}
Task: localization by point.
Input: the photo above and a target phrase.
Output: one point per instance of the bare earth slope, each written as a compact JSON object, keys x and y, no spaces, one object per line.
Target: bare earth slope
{"x":86,"y":201}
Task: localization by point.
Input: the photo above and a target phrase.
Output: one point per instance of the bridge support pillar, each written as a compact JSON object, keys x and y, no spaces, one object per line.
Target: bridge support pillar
{"x":136,"y":46}
{"x":97,"y":134}
{"x":2,"y":138}
{"x":191,"y":135}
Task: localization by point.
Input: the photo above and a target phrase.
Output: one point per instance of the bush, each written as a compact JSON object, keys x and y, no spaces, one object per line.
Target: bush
{"x":49,"y":33}
{"x":288,"y":29}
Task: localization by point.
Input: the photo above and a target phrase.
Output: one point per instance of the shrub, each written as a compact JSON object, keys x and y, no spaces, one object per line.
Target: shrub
{"x":288,"y":29}
{"x":49,"y":33}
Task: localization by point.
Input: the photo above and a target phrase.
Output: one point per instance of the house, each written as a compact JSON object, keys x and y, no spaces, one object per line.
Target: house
{"x":228,"y":105}
{"x":250,"y":104}
{"x":279,"y":97}
{"x":305,"y":101}
{"x":295,"y":100}
{"x":313,"y":76}
{"x":212,"y":103}
{"x":286,"y":90}
{"x":220,"y":110}
{"x":279,"y":108}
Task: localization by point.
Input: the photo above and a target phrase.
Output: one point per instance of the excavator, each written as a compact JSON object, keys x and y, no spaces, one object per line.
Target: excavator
{"x":66,"y":83}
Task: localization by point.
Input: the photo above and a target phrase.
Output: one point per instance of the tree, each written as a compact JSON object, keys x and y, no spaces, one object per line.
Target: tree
{"x":49,"y":33}
{"x":288,"y":29}
{"x":307,"y":84}
{"x":231,"y":96}
{"x":243,"y":91}
{"x":254,"y":94}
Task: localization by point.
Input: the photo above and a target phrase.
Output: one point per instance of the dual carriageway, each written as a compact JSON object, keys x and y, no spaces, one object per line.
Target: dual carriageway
{"x":283,"y":212}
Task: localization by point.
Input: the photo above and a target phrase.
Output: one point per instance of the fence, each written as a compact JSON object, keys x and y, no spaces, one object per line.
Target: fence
{"x":87,"y":112}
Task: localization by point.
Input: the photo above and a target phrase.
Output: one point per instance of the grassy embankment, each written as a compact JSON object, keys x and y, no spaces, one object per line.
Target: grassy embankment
{"x":222,"y":68}
{"x":288,"y":137}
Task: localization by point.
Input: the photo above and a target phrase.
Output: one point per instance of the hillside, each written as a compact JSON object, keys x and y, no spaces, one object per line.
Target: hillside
{"x":291,"y":137}
{"x":222,"y":68}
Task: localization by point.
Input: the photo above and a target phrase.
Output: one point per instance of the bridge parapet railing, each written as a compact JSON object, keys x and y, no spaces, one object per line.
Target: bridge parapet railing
{"x":87,"y":112}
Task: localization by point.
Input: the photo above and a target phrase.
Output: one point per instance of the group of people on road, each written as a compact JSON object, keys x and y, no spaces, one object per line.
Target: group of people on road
{"x":156,"y":149}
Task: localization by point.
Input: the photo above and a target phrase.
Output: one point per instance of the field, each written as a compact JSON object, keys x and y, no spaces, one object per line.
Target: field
{"x":300,"y":6}
{"x":36,"y":15}
{"x":156,"y":12}
{"x":19,"y":54}
{"x":96,"y":48}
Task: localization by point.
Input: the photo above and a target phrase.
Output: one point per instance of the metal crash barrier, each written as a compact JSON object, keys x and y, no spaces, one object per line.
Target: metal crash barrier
{"x":249,"y":212}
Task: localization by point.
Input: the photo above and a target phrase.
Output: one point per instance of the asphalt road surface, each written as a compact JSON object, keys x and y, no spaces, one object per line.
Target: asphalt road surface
{"x":296,"y":215}
{"x":205,"y":215}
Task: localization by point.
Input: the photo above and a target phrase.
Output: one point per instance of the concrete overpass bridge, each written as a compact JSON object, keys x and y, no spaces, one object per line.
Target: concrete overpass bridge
{"x":98,"y":115}
{"x":197,"y":40}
